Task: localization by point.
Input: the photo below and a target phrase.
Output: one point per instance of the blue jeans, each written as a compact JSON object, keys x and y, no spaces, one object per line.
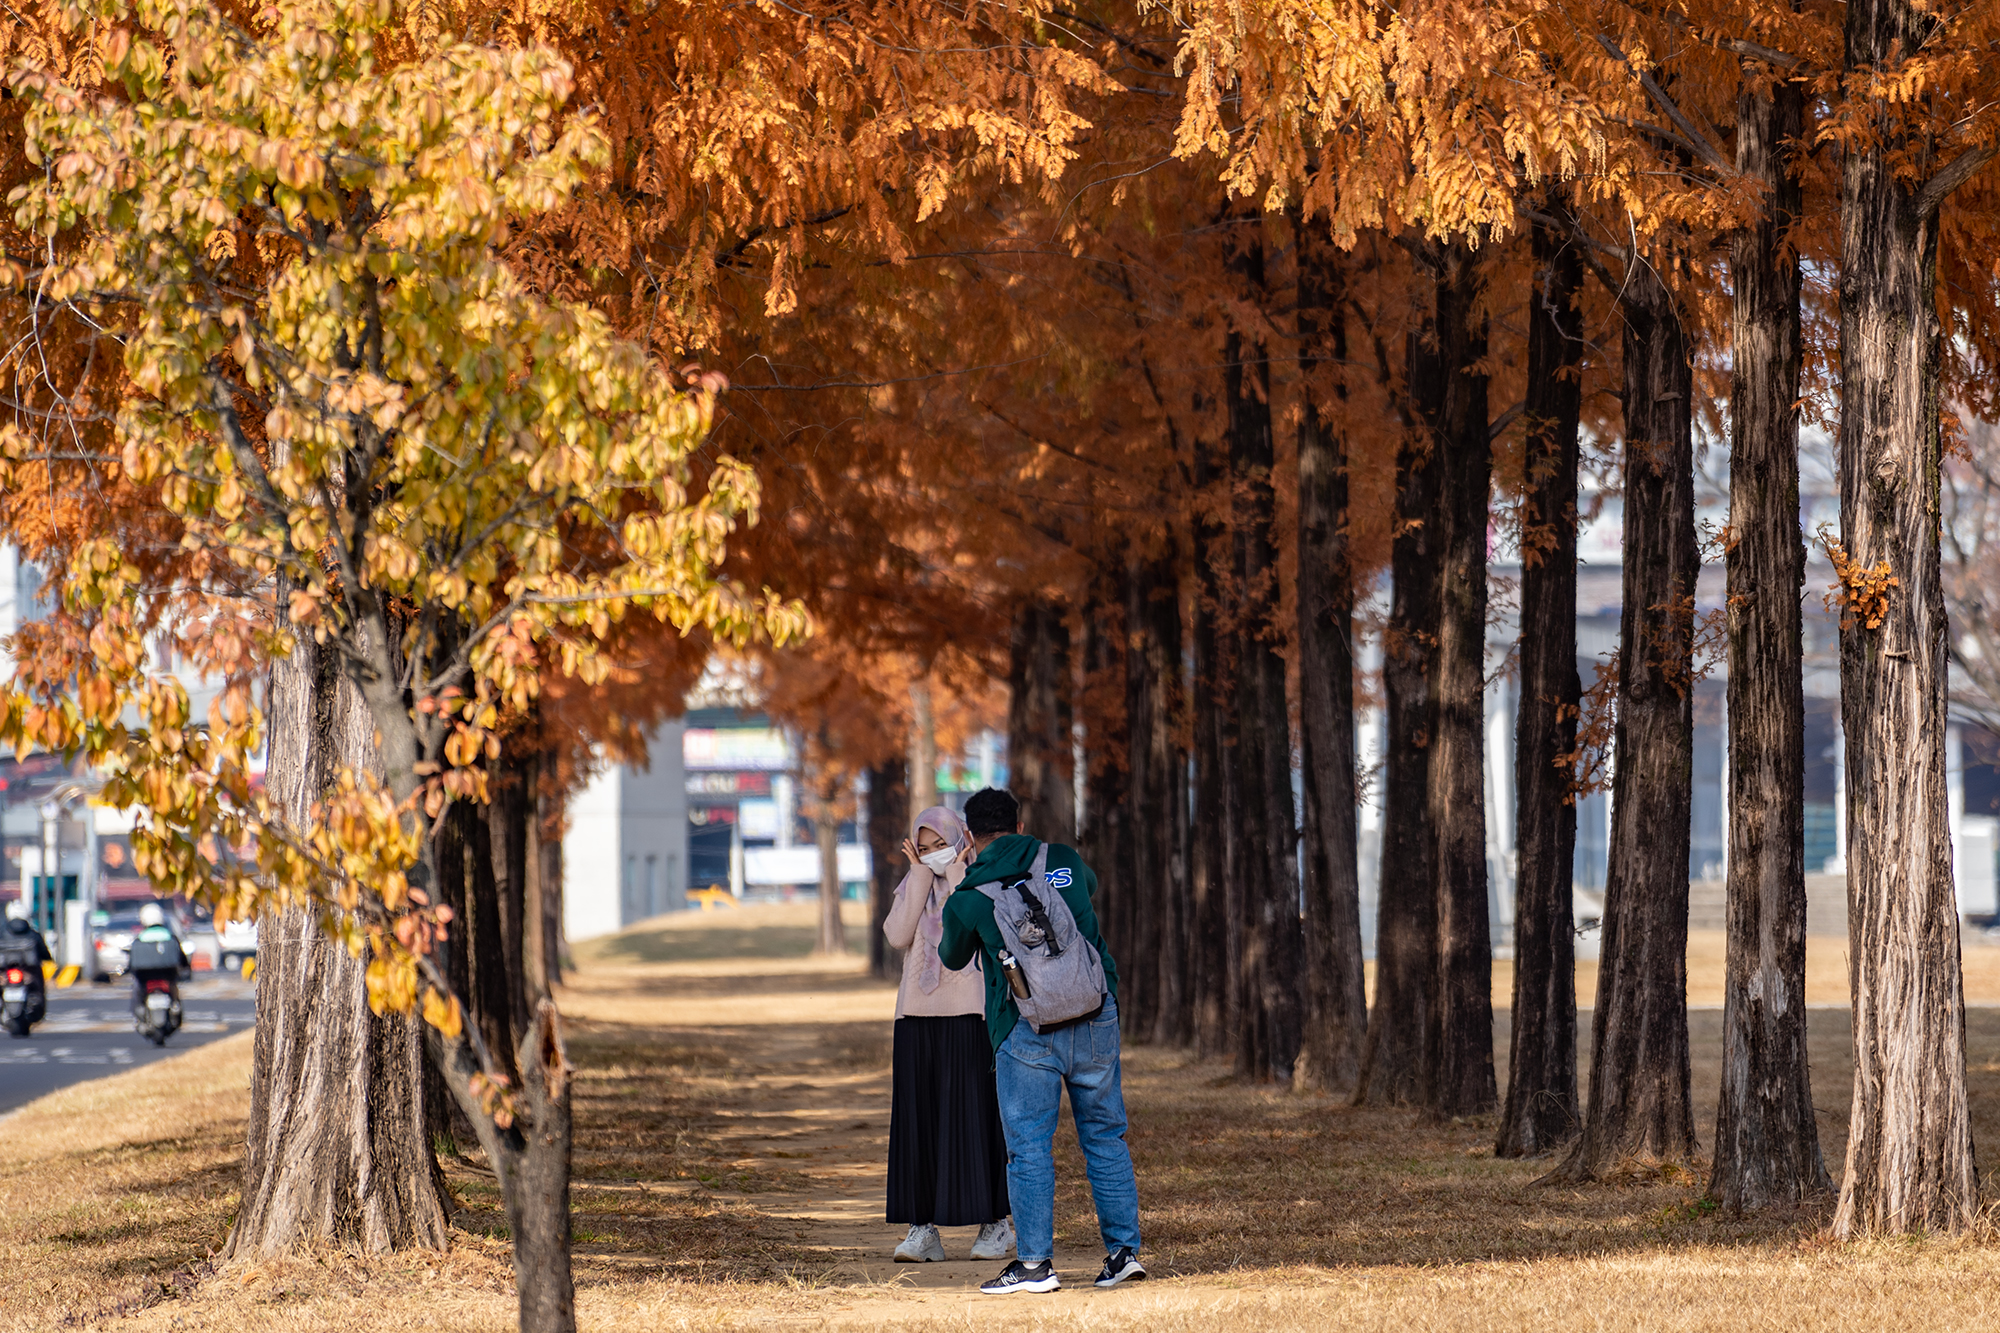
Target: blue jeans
{"x":1032,"y":1070}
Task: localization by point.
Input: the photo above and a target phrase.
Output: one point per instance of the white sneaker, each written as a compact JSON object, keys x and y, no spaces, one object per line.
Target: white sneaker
{"x":996,"y":1240}
{"x":921,"y":1246}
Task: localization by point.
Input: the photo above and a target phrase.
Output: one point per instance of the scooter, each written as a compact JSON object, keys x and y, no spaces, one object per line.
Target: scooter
{"x":159,"y":1012}
{"x":23,"y":998}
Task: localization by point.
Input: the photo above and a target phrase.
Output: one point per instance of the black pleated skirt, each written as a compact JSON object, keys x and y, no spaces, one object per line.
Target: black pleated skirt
{"x":947,"y":1155}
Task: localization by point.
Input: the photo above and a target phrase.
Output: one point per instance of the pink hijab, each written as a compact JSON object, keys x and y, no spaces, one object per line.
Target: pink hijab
{"x":930,"y":926}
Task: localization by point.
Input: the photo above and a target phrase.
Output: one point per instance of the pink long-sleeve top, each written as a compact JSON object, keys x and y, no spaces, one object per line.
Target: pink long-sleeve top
{"x":915,"y":923}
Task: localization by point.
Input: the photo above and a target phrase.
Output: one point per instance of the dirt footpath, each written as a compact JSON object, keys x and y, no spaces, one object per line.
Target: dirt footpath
{"x":732,"y":1101}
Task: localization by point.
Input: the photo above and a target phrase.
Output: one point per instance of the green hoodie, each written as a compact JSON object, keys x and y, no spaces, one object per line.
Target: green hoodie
{"x":969,"y":927}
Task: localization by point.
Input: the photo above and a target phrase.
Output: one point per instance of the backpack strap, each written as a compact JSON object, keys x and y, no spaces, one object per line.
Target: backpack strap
{"x":1040,"y":869}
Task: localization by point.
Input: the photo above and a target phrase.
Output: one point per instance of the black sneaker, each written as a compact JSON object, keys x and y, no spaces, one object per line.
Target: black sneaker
{"x":1121,"y":1266}
{"x":1018,"y":1276}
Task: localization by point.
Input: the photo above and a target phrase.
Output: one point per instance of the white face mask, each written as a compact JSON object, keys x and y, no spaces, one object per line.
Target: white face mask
{"x":941,"y":859}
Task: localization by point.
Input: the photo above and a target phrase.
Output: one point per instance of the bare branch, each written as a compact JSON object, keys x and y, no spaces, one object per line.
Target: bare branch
{"x":1697,"y":140}
{"x":1956,"y":173}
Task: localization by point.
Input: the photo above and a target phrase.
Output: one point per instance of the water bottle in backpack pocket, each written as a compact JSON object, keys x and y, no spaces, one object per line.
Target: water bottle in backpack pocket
{"x":1055,"y":974}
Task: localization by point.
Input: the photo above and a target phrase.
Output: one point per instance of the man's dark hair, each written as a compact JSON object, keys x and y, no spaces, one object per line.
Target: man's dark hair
{"x":991,"y":810}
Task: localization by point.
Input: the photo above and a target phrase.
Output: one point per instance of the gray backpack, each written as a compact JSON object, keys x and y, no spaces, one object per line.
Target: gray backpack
{"x":1057,"y":976}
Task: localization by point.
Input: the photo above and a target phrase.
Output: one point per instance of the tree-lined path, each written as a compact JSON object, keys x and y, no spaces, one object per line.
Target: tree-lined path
{"x":731,"y":1120}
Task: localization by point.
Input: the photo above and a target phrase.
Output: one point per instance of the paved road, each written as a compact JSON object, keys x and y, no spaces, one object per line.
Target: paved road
{"x":89,"y":1034}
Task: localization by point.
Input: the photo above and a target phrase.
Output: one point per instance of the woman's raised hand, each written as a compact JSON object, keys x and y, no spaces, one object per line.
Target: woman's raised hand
{"x":910,"y":850}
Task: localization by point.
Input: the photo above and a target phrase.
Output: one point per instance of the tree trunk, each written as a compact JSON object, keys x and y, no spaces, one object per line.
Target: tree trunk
{"x":490,"y":997}
{"x":337,"y":1151}
{"x":1463,"y":1083}
{"x":1639,"y":1100}
{"x":531,"y":1158}
{"x":534,"y":987}
{"x":923,"y":750}
{"x":1336,"y":1018}
{"x":538,"y":1203}
{"x":463,"y":822}
{"x":1114,"y":778}
{"x":1396,"y":1057}
{"x":826,"y":832}
{"x":548,"y":881}
{"x":1040,"y":748}
{"x":1099,"y":715}
{"x":1242,"y":870}
{"x":888,"y":808}
{"x":1158,"y":801}
{"x":1909,"y":1150}
{"x":1541,"y":1110}
{"x":1212,"y":705}
{"x":1766,"y":1142}
{"x":1271,"y":959}
{"x":516,"y":800}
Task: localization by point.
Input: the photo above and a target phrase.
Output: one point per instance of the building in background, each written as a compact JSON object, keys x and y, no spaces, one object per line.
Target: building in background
{"x":625,"y":851}
{"x":742,"y":791}
{"x":748,"y":833}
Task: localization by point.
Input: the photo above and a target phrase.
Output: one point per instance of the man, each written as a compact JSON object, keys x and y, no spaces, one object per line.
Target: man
{"x":20,"y":934}
{"x":156,"y":955}
{"x":1032,"y":1068}
{"x":22,"y":946}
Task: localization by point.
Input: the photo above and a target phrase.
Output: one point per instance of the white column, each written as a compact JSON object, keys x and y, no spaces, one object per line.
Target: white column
{"x":785,"y":791}
{"x":1954,"y":779}
{"x":51,"y":863}
{"x":86,"y":880}
{"x":1499,"y":766}
{"x":1954,"y":772}
{"x":1723,"y":805}
{"x":1837,"y":865}
{"x":1368,"y":728}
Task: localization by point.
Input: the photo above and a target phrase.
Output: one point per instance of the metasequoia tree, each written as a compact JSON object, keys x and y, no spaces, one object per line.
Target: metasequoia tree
{"x":1297,"y":100}
{"x":1336,"y":1015}
{"x":1258,"y":764}
{"x":756,"y":143}
{"x":1398,"y":1055}
{"x":1640,"y":1102}
{"x":1647,"y":221}
{"x":1449,"y":382}
{"x":1909,"y":1151}
{"x":1766,"y":1149}
{"x":377,"y":439}
{"x":1541,"y":1110}
{"x":1766,"y":1139}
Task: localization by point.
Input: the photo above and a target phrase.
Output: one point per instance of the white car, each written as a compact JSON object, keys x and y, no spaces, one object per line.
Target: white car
{"x":237,"y":944}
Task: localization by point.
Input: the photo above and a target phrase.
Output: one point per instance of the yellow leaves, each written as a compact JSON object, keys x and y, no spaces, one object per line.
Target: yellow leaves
{"x":1863,"y":591}
{"x":97,"y":699}
{"x":442,"y":1012}
{"x":420,"y":407}
{"x":464,"y":746}
{"x":391,"y":980}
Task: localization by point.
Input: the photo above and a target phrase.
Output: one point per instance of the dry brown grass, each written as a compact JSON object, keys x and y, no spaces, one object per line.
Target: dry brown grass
{"x":732,"y":1119}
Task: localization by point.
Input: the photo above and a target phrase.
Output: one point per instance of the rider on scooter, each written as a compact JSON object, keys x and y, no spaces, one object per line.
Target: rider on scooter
{"x":20,"y":933}
{"x":156,"y":955}
{"x":23,"y":950}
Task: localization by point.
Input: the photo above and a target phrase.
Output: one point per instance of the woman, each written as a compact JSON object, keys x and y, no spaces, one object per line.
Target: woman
{"x":947,"y":1157}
